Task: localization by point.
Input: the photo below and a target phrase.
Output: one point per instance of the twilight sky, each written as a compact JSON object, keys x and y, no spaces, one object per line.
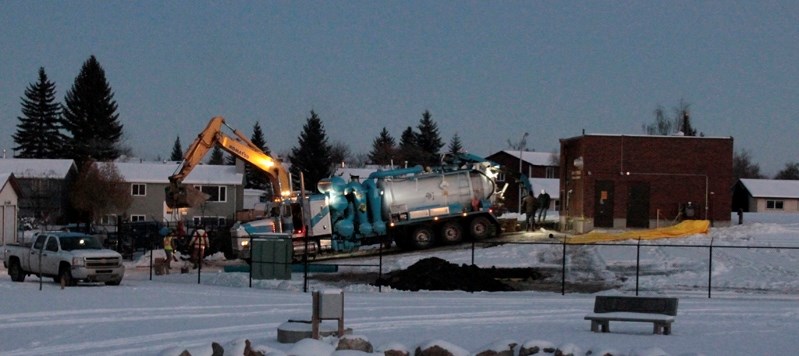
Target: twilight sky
{"x":486,"y":70}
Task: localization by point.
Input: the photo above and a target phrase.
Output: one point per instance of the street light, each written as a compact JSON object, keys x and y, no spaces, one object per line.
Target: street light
{"x":522,"y":145}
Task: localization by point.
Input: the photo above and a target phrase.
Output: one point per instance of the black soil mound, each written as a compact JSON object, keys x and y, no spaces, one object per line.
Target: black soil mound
{"x":436,"y":274}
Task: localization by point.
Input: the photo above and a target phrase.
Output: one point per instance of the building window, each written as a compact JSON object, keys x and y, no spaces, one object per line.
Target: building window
{"x":216,"y":193}
{"x":108,"y":219}
{"x":501,"y":177}
{"x":209,"y":221}
{"x":138,"y":190}
{"x":774,"y":204}
{"x":137,"y":218}
{"x":550,"y":172}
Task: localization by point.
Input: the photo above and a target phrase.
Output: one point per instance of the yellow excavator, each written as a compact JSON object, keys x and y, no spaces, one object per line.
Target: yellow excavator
{"x":180,"y":196}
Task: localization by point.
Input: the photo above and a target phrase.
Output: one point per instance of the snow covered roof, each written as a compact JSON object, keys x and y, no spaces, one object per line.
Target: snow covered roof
{"x":156,"y":172}
{"x":346,"y":172}
{"x":37,"y":168}
{"x":772,"y":188}
{"x":535,"y":158}
{"x":550,"y":185}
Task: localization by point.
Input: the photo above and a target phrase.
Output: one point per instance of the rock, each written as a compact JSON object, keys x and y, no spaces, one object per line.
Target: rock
{"x":568,"y":350}
{"x":354,"y":342}
{"x":537,"y":347}
{"x":217,"y":349}
{"x":393,"y":349}
{"x":248,"y":351}
{"x":498,"y":348}
{"x":185,"y":353}
{"x":439,"y":348}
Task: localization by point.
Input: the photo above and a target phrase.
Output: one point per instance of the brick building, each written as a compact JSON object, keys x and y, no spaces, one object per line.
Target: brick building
{"x":620,"y":181}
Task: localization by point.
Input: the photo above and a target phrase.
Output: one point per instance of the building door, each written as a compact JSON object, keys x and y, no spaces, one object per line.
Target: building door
{"x":638,"y":205}
{"x":603,"y":203}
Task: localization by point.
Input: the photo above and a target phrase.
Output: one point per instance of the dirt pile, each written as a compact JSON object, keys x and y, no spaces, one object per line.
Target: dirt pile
{"x":436,"y":274}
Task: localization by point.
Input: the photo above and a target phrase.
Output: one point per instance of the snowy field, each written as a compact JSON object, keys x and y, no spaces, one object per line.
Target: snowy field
{"x":754,"y":309}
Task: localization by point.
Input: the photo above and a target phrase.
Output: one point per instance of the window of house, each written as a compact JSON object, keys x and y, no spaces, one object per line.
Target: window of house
{"x":137,"y":218}
{"x":216,"y":193}
{"x":138,"y":190}
{"x":774,"y":204}
{"x":501,"y":177}
{"x":110,"y":219}
{"x":550,"y":172}
{"x":209,"y":221}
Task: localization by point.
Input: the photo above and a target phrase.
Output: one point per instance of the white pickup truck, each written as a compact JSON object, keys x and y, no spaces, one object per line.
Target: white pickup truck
{"x":67,"y":257}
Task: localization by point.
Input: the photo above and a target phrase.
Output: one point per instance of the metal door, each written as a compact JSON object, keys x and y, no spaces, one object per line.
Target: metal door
{"x":638,"y":205}
{"x":603,"y":203}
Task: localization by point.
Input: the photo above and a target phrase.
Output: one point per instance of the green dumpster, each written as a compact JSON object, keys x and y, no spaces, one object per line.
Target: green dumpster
{"x":271,"y":257}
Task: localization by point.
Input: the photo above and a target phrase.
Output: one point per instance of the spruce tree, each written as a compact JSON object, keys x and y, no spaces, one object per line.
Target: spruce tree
{"x":256,"y":178}
{"x":312,"y":155}
{"x":428,"y":140}
{"x":177,"y":151}
{"x":383,"y":149}
{"x":90,"y":116}
{"x":409,"y":152}
{"x":455,"y":146}
{"x":217,"y":156}
{"x":38,"y":134}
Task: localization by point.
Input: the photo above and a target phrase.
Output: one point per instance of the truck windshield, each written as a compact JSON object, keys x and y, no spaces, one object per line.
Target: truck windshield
{"x":69,"y":243}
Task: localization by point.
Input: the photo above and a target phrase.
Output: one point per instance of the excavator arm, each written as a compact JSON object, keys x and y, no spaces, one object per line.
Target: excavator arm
{"x":180,"y":196}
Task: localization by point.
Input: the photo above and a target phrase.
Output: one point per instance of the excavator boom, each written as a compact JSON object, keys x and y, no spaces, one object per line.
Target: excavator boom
{"x":180,"y":196}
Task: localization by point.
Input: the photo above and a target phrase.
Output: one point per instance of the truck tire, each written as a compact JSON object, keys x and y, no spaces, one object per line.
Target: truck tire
{"x":451,"y":233}
{"x":478,"y":228}
{"x":16,"y":272}
{"x":65,"y":277}
{"x":422,"y":237}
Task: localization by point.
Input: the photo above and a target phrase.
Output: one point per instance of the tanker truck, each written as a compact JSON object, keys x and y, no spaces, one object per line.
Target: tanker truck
{"x":414,"y":207}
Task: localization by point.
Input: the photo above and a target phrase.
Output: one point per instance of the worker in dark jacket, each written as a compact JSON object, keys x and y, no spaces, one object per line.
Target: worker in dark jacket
{"x":530,"y":206}
{"x":543,"y":205}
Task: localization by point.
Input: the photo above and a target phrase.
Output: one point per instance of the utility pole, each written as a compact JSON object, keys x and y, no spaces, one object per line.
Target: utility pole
{"x":522,"y":145}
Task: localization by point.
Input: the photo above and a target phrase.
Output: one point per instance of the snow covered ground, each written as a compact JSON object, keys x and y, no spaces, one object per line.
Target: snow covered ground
{"x":754,"y":309}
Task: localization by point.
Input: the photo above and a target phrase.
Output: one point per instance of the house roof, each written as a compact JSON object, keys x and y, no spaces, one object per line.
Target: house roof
{"x":771,"y":188}
{"x":8,"y":179}
{"x":156,"y":172}
{"x":37,"y":168}
{"x":533,"y":157}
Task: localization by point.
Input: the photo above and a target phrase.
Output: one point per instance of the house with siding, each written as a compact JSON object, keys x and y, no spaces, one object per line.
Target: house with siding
{"x":766,"y":196}
{"x":44,"y":187}
{"x":530,"y":163}
{"x":224,"y":184}
{"x":9,"y":201}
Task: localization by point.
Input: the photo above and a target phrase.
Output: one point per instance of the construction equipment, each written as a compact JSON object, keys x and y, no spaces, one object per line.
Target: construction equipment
{"x":180,"y":196}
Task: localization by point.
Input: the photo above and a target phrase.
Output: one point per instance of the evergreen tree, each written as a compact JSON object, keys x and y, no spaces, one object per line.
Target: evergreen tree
{"x":38,"y":134}
{"x":90,"y":116}
{"x":177,"y":151}
{"x":743,"y":167}
{"x":790,"y":172}
{"x":383,"y":149}
{"x":684,"y":119}
{"x":217,"y":156}
{"x":256,"y":178}
{"x":455,"y":146}
{"x":428,"y":140}
{"x":409,"y":153}
{"x":312,"y":156}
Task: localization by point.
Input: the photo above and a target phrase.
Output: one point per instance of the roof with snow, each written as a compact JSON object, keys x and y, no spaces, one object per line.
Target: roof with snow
{"x":535,"y":158}
{"x":771,"y":188}
{"x":362,"y":173}
{"x":7,"y":179}
{"x":37,"y":168}
{"x":157,"y":172}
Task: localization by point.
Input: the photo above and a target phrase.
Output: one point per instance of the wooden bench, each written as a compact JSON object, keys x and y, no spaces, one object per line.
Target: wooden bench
{"x":659,"y":311}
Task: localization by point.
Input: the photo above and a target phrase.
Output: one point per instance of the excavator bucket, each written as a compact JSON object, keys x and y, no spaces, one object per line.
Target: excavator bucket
{"x":180,"y":196}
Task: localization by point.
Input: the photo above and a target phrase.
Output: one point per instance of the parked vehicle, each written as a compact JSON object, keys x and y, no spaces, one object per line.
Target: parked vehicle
{"x":67,"y":257}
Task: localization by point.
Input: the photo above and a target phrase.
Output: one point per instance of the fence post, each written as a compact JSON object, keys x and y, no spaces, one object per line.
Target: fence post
{"x":710,"y":268}
{"x":252,"y":261}
{"x":563,"y":269}
{"x":637,"y":264}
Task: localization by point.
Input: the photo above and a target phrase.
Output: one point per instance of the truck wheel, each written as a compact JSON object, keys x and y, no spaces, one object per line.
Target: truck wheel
{"x":16,"y":272}
{"x":422,"y":238}
{"x":478,"y":228}
{"x":451,"y":233}
{"x":65,"y":277}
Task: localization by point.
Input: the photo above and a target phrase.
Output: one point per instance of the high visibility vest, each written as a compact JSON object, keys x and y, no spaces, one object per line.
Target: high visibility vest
{"x":200,"y":239}
{"x":168,"y":242}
